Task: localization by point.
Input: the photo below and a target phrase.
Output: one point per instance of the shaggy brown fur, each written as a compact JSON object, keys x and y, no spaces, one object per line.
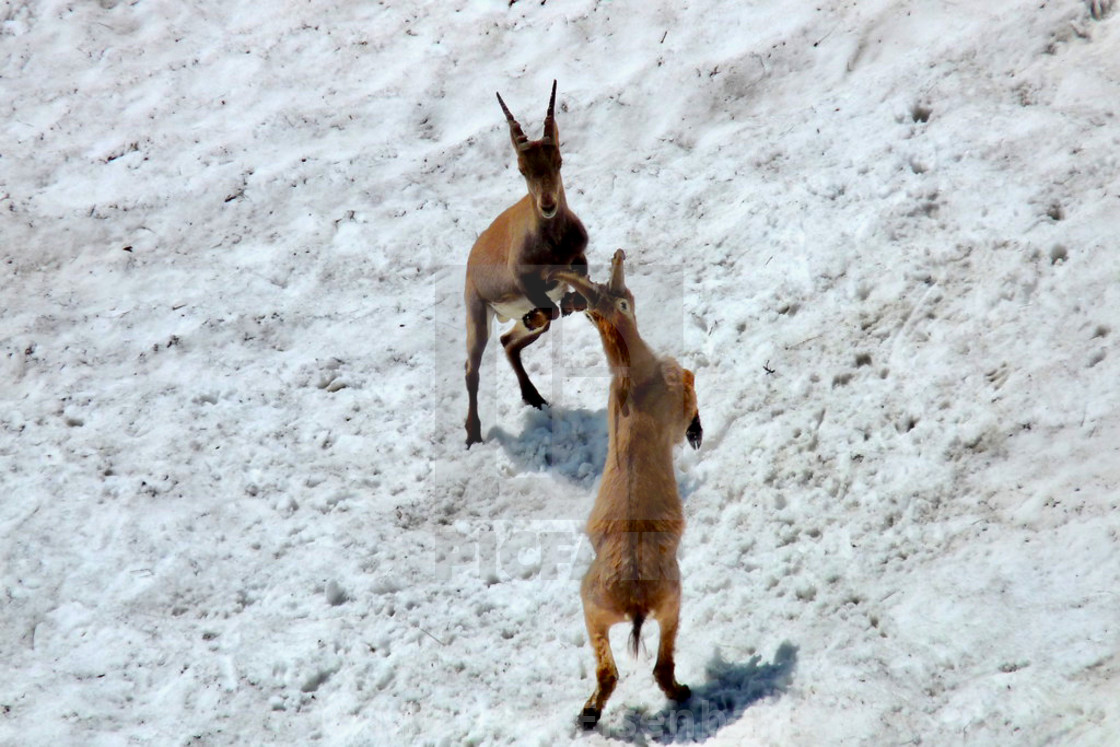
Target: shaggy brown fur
{"x":637,"y":521}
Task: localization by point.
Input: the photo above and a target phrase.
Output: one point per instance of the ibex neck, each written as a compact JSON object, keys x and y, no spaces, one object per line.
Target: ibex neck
{"x":632,"y":358}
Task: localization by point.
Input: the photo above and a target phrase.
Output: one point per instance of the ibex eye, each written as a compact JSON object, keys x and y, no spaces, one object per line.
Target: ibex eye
{"x":622,"y":305}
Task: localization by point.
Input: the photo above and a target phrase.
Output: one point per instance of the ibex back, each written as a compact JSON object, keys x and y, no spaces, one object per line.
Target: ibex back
{"x":637,"y":520}
{"x":506,"y":271}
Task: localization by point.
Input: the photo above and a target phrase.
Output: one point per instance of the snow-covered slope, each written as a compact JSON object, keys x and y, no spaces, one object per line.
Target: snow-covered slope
{"x":236,"y":507}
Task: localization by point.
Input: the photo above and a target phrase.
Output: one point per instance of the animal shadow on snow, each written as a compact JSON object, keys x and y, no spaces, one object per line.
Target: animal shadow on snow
{"x":571,"y":443}
{"x":729,"y":690}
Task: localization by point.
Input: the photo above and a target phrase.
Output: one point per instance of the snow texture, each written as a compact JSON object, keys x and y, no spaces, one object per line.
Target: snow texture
{"x":236,"y":506}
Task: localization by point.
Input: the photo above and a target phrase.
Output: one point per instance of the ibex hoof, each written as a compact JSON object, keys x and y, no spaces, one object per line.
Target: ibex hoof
{"x":474,"y":435}
{"x":538,"y":318}
{"x":589,"y":717}
{"x":682,"y":693}
{"x":530,"y":395}
{"x":695,"y":433}
{"x":572,"y":302}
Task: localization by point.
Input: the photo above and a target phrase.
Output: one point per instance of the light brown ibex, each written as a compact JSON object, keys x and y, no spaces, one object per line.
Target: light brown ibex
{"x":507,"y":267}
{"x":637,"y":520}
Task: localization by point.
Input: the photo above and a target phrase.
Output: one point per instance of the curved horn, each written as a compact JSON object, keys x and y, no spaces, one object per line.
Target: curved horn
{"x":592,"y":291}
{"x":515,"y":132}
{"x":550,"y":130}
{"x":617,"y":284}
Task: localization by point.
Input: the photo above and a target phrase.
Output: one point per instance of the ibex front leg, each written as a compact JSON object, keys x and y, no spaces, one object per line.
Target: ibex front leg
{"x":514,"y":341}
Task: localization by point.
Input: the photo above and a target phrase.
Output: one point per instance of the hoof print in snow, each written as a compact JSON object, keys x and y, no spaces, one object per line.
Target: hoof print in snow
{"x":789,"y":309}
{"x":997,"y":377}
{"x":920,"y":112}
{"x":336,"y":595}
{"x":1058,"y":254}
{"x":331,"y":382}
{"x":907,"y":424}
{"x":928,"y":205}
{"x":329,"y":377}
{"x":316,"y":680}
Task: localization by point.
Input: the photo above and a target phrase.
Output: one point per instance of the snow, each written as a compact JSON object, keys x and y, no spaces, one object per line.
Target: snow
{"x":237,"y":508}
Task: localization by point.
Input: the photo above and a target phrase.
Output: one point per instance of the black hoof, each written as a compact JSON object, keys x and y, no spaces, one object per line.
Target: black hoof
{"x":533,"y":399}
{"x":589,"y":717}
{"x":572,"y":302}
{"x":683,"y":693}
{"x":538,"y":318}
{"x":474,"y":435}
{"x":695,"y":433}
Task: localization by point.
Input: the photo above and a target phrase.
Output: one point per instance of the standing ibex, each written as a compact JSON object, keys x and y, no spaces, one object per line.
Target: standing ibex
{"x":637,"y":520}
{"x":507,"y":265}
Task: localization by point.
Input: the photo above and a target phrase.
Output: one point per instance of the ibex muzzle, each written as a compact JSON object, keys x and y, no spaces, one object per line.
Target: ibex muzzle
{"x":507,"y":267}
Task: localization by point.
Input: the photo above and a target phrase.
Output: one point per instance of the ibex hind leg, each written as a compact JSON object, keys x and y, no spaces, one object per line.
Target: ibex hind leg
{"x":606,"y":673}
{"x":664,"y":671}
{"x":599,"y":618}
{"x":517,"y":339}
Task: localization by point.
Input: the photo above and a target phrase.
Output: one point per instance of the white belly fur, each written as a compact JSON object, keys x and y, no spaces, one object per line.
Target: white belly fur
{"x":519,"y":307}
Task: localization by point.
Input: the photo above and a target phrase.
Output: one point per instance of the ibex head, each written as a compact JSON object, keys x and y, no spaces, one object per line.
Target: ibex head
{"x":610,"y":306}
{"x":539,"y":160}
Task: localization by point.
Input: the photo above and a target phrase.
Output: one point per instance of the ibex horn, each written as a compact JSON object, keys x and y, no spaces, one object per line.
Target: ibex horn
{"x":617,"y":284}
{"x":550,"y":118}
{"x":590,"y":290}
{"x":515,"y":131}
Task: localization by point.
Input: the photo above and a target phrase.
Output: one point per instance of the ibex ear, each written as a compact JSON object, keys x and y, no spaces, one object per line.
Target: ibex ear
{"x":689,"y":380}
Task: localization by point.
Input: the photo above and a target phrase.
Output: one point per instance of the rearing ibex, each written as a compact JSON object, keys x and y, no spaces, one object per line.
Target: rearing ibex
{"x":506,"y":271}
{"x":637,"y":520}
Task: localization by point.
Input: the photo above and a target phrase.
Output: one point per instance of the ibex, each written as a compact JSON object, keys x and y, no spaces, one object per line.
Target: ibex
{"x":637,"y":520}
{"x":506,"y":270}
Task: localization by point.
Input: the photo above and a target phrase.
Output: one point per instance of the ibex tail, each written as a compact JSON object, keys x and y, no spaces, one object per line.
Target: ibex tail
{"x":636,"y":633}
